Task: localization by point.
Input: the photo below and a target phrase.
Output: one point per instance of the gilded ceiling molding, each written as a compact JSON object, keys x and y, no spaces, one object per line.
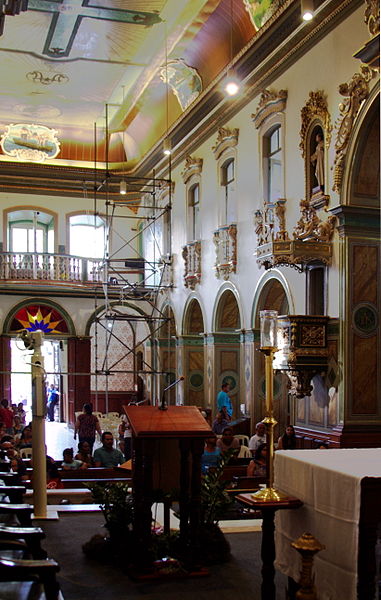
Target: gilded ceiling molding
{"x":354,"y":92}
{"x":193,"y":166}
{"x":269,"y":103}
{"x":315,"y":110}
{"x":226,"y":138}
{"x":372,"y":16}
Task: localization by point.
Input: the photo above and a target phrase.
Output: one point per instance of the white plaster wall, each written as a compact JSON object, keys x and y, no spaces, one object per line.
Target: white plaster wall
{"x":324,"y":67}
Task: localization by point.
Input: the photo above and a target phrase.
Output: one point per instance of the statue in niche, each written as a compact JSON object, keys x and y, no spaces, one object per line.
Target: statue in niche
{"x":317,"y":159}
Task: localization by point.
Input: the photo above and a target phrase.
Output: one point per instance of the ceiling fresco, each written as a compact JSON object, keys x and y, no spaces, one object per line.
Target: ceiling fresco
{"x":86,"y":67}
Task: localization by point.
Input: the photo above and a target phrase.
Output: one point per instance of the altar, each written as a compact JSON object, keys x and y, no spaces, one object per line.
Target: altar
{"x":341,"y":494}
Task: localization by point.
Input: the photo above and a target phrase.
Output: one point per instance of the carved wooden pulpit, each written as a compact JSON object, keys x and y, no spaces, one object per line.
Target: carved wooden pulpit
{"x":167,"y":448}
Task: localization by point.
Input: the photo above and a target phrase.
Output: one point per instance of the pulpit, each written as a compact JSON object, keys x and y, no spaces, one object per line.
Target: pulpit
{"x":167,"y":448}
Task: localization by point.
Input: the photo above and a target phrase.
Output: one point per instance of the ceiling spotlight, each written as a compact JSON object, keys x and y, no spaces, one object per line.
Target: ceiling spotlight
{"x":167,"y":150}
{"x":123,"y":187}
{"x":232,"y":85}
{"x":307,"y":7}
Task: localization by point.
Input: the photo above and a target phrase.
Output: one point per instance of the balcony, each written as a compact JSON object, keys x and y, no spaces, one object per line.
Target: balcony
{"x":192,"y":264}
{"x":46,"y":267}
{"x":225,"y":241}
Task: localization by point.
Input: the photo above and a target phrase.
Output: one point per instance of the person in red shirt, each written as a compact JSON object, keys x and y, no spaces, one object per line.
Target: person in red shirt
{"x":6,"y":416}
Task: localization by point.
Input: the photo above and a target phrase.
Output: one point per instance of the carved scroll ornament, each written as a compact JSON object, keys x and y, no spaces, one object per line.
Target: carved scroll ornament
{"x":372,"y":16}
{"x":193,"y":166}
{"x":355,"y":92}
{"x":310,"y":227}
{"x":226,"y":138}
{"x":269,"y":103}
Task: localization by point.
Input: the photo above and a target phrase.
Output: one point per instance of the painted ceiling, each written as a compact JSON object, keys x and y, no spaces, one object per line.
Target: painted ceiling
{"x":85,"y":67}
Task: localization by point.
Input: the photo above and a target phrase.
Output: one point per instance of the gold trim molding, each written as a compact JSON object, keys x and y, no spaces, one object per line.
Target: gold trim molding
{"x":269,"y":104}
{"x":226,"y":138}
{"x":354,"y":92}
{"x":193,"y":166}
{"x":315,"y":109}
{"x":372,"y":16}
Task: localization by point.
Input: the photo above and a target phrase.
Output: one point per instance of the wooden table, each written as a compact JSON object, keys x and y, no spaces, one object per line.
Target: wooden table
{"x":268,"y":510}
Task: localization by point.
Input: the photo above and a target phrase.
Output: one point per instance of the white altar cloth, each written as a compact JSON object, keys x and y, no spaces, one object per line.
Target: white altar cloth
{"x":329,"y":484}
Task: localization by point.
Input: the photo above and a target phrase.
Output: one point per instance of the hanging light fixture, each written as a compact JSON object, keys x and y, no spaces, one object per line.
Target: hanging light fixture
{"x":123,"y":187}
{"x":232,"y":82}
{"x":167,"y":150}
{"x":307,"y":7}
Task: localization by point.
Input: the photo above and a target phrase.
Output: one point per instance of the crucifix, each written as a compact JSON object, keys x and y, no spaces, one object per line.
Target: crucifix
{"x":67,"y":17}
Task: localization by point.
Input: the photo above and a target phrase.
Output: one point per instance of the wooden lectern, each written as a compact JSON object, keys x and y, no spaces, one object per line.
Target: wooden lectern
{"x":167,"y":448}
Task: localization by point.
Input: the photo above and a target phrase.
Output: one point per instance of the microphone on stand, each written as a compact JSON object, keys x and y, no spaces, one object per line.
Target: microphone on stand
{"x":163,"y":405}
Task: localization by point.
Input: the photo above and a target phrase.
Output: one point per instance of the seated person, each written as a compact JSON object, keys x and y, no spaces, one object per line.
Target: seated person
{"x":18,"y":468}
{"x":84,"y":454}
{"x":69,"y":462}
{"x":17,"y":427}
{"x":25,"y":440}
{"x":258,"y":438}
{"x":53,"y":480}
{"x":257,"y":467}
{"x":219,"y":423}
{"x":107,"y":455}
{"x":288,"y":440}
{"x":228,"y":441}
{"x":211,"y":454}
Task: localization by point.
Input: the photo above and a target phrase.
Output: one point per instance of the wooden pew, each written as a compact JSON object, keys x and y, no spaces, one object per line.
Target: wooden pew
{"x":17,"y":570}
{"x":32,"y":537}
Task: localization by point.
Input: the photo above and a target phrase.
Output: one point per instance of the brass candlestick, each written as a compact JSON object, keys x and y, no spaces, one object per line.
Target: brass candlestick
{"x":307,"y":546}
{"x":269,"y":320}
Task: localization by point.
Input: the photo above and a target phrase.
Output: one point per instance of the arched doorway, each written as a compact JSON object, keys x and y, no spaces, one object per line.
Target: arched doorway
{"x":193,"y":354}
{"x":58,"y":329}
{"x":227,"y":325}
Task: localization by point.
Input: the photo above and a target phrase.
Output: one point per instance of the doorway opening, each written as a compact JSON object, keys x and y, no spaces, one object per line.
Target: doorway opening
{"x":54,"y":354}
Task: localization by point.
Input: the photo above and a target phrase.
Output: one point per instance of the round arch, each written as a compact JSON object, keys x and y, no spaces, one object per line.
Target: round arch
{"x":193,"y":321}
{"x":275,"y":282}
{"x":359,"y":138}
{"x":221,"y":304}
{"x":48,"y":307}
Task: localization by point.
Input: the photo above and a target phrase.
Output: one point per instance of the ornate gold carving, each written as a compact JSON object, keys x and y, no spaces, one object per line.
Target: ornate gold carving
{"x":270,"y":223}
{"x":307,"y":546}
{"x":312,"y":335}
{"x":269,"y":103}
{"x":226,"y":138}
{"x":192,"y":264}
{"x":193,"y":166}
{"x":310,"y":227}
{"x":315,"y":110}
{"x":372,"y":16}
{"x":355,"y":92}
{"x":225,"y":241}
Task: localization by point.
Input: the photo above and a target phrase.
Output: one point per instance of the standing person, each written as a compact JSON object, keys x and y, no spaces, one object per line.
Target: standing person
{"x":224,"y":404}
{"x":258,"y":438}
{"x":52,"y":401}
{"x":86,"y":426}
{"x":21,"y":412}
{"x":288,"y":440}
{"x":6,"y":416}
{"x":125,"y":437}
{"x":108,"y":456}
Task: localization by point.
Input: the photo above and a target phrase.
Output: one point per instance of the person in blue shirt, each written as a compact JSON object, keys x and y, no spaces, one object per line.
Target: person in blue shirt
{"x":211,"y":454}
{"x":224,"y":404}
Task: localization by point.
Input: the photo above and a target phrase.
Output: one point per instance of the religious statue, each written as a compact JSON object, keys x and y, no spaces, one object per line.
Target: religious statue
{"x":317,"y":159}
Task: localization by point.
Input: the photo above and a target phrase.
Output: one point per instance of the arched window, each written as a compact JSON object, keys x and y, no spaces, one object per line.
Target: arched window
{"x":87,"y":236}
{"x":227,"y":181}
{"x":194,"y":212}
{"x":30,"y":231}
{"x":272,"y":165}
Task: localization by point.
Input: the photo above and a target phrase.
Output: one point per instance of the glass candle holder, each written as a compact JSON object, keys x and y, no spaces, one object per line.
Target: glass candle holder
{"x":269,"y":327}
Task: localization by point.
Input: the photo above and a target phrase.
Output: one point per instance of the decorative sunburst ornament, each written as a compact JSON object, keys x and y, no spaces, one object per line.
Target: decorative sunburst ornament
{"x":39,"y":323}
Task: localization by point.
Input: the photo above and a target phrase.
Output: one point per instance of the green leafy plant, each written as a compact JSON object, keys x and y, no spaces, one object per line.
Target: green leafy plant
{"x":116,"y":504}
{"x":214,"y":498}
